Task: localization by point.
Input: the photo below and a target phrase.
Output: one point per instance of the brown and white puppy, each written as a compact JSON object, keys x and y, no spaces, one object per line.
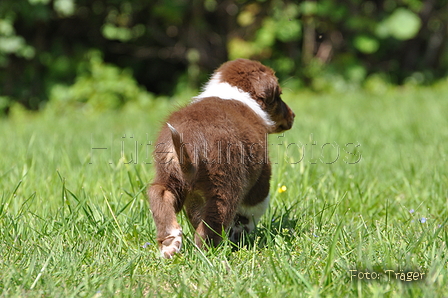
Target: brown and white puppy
{"x":211,"y":157}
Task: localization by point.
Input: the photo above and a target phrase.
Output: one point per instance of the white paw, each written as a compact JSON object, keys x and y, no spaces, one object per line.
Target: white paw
{"x":236,"y":233}
{"x":246,"y":219}
{"x":241,"y":225}
{"x":171,"y":244}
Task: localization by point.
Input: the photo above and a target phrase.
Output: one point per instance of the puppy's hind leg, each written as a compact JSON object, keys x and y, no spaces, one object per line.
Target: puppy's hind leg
{"x":217,"y":216}
{"x":163,"y":206}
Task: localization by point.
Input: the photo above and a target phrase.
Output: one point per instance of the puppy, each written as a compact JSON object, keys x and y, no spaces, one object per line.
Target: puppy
{"x":211,"y":157}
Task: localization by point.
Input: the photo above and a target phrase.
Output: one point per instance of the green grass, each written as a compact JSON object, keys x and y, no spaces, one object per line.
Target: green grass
{"x":74,"y":222}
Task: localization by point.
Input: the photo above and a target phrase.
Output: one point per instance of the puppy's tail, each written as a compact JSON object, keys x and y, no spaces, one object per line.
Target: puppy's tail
{"x":184,"y":159}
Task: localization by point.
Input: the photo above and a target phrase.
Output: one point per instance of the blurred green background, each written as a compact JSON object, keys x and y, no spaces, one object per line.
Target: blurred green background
{"x":108,"y":52}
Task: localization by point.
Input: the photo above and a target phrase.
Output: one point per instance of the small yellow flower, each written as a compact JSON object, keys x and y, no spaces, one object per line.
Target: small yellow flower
{"x":282,"y":189}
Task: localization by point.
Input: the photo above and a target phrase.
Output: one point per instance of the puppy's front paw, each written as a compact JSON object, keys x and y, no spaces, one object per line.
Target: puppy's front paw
{"x":241,"y":225}
{"x":171,"y":245}
{"x":236,"y":233}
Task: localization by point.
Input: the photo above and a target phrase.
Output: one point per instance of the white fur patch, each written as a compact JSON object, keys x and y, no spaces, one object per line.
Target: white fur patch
{"x":172,"y":247}
{"x":253,"y":213}
{"x":223,"y":90}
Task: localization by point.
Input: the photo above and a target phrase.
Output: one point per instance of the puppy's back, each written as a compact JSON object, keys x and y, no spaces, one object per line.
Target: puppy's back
{"x":217,"y":137}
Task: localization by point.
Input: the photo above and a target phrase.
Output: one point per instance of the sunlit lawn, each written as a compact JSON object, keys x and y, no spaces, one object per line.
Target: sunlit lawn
{"x":359,"y":191}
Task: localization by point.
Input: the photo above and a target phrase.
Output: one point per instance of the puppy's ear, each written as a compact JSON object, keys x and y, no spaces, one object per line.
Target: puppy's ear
{"x":265,"y":86}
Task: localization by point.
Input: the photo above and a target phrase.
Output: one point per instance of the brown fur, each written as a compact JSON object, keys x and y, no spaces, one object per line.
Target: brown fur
{"x":214,"y":156}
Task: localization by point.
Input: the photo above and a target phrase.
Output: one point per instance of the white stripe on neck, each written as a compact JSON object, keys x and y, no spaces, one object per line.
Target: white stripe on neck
{"x":223,"y":90}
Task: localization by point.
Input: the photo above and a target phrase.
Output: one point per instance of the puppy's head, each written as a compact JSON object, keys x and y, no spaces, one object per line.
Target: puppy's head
{"x":261,"y":84}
